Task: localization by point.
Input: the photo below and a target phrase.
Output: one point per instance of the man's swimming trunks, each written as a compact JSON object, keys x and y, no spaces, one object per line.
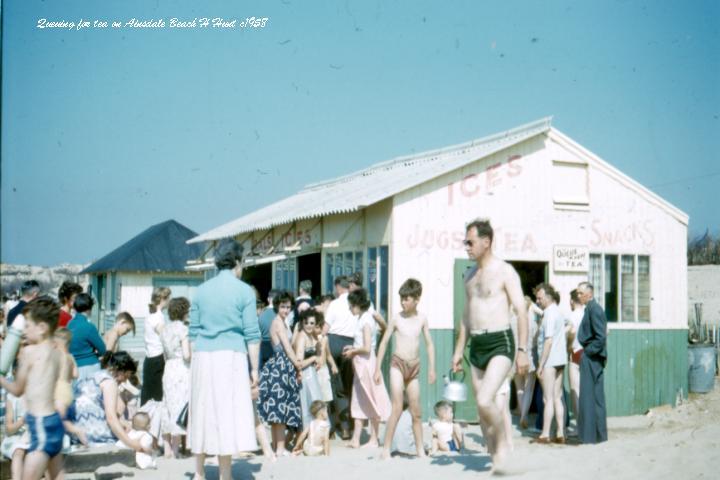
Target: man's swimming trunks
{"x":409,"y":370}
{"x":485,"y":346}
{"x":46,"y":433}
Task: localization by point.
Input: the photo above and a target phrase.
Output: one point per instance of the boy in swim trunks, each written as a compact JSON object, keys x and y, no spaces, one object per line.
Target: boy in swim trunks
{"x":68,"y":372}
{"x":405,"y":362}
{"x":38,"y":372}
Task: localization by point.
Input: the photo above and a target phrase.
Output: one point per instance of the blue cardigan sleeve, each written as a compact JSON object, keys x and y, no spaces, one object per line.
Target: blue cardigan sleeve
{"x":248,"y":312}
{"x":194,"y":321}
{"x":96,"y":341}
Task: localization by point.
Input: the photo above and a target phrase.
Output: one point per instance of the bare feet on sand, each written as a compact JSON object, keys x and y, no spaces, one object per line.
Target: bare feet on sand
{"x":370,"y":445}
{"x":500,"y":461}
{"x":385,"y":455}
{"x":352,"y":445}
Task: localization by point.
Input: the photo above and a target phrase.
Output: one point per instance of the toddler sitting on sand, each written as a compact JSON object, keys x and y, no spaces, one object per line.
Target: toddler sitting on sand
{"x":139,"y":431}
{"x":315,"y":439}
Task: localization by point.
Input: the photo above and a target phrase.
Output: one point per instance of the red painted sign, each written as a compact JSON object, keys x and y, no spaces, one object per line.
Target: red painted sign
{"x":494,"y":175}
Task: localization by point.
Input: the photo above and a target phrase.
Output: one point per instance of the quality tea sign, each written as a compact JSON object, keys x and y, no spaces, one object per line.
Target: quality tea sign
{"x":570,"y":258}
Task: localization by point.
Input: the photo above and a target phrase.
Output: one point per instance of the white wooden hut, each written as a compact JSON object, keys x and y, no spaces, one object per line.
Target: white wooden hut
{"x":560,"y":213}
{"x":123,"y":280}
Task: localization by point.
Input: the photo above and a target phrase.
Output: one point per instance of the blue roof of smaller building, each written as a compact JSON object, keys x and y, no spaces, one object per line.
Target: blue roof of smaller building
{"x":160,"y":248}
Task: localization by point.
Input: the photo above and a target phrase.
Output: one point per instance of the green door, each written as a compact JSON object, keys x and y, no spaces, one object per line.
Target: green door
{"x":467,"y":410}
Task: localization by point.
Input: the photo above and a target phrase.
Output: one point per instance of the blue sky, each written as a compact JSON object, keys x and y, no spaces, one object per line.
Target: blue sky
{"x":108,"y":131}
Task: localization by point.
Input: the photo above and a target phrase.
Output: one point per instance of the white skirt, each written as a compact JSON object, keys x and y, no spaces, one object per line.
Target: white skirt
{"x":221,"y":420}
{"x":325,"y":386}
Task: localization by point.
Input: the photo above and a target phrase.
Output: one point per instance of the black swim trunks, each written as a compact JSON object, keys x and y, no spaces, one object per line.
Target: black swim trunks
{"x":485,"y":346}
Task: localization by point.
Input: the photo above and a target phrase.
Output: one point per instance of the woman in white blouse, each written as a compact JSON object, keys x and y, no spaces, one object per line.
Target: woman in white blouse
{"x":553,"y":358}
{"x":154,"y":363}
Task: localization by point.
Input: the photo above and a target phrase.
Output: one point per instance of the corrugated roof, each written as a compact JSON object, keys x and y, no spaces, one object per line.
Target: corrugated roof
{"x":374,"y":184}
{"x":162,"y":247}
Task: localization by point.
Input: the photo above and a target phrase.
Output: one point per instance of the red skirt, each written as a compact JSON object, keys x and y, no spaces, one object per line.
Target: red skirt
{"x":576,"y":356}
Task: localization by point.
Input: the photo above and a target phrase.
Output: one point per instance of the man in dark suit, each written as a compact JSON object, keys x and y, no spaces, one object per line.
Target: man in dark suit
{"x":29,"y":291}
{"x":592,"y":335}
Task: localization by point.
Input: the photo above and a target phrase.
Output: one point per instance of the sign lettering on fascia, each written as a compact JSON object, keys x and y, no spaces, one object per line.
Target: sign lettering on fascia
{"x":570,"y":258}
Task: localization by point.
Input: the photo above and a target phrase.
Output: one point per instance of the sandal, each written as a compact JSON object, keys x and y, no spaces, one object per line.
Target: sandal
{"x":541,"y":440}
{"x":559,"y":440}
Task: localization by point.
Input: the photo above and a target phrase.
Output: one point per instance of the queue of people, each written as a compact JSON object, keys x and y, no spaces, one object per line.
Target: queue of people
{"x":554,"y":346}
{"x":226,"y":366}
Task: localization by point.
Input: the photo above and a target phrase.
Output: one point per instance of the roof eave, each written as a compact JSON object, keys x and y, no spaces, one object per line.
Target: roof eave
{"x":541,"y":126}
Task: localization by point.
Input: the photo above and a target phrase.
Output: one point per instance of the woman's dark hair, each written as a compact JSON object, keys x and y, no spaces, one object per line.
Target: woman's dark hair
{"x":311,"y":313}
{"x":342,"y":280}
{"x":67,"y":290}
{"x":359,"y":298}
{"x":356,"y":278}
{"x":575,"y":296}
{"x":282,"y":297}
{"x":83,"y":303}
{"x":118,"y":362}
{"x":178,"y":308}
{"x":228,"y":254}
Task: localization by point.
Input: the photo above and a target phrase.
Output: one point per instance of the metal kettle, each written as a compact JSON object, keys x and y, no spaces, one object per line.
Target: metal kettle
{"x":455,"y":391}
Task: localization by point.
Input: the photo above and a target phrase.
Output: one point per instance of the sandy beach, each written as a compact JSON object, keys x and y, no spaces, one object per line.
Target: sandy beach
{"x":680,"y":443}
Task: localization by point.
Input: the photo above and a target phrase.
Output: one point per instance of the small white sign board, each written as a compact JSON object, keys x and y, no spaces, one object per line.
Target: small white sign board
{"x":570,"y":258}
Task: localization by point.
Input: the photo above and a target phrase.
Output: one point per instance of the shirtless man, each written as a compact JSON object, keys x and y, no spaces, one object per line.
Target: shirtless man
{"x":38,"y":372}
{"x":490,"y":288}
{"x":405,"y":363}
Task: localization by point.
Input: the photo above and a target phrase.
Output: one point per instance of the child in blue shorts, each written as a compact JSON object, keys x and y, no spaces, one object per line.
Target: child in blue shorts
{"x":447,"y":435}
{"x":38,"y":372}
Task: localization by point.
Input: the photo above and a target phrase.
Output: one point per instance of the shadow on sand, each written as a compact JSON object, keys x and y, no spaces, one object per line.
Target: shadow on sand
{"x":472,"y":462}
{"x":241,"y":470}
{"x":476,"y":438}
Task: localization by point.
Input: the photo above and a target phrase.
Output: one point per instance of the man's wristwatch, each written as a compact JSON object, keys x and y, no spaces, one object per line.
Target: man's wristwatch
{"x":522,"y":349}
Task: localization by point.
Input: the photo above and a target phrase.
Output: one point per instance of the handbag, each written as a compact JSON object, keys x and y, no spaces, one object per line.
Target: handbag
{"x":182,"y":420}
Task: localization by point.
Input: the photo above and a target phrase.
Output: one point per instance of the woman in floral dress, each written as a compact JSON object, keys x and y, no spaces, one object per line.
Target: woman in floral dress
{"x":176,"y":376}
{"x":279,"y":403}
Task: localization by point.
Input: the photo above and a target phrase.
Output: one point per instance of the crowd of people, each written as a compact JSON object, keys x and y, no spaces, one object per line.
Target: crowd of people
{"x":226,"y":366}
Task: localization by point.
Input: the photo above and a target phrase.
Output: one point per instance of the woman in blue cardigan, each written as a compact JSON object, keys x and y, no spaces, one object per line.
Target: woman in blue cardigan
{"x":225,"y":339}
{"x":86,"y":345}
